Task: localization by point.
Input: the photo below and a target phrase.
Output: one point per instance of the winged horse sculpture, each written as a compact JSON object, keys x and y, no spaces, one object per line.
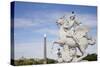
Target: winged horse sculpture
{"x":73,"y":35}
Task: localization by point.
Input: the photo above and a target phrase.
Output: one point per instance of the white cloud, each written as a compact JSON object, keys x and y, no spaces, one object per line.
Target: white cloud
{"x":40,"y":20}
{"x":26,"y":23}
{"x":53,"y":32}
{"x":21,"y":22}
{"x":34,"y":50}
{"x":88,"y":19}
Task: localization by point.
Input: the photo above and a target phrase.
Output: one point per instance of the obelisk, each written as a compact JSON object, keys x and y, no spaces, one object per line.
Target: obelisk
{"x":45,"y":51}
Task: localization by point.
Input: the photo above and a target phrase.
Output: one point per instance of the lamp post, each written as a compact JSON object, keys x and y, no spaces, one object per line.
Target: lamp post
{"x":45,"y":51}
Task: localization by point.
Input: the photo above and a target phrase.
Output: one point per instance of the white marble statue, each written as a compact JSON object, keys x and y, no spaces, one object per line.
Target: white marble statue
{"x":72,"y":35}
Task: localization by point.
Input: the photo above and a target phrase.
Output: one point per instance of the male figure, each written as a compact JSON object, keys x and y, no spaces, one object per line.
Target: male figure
{"x":71,"y":23}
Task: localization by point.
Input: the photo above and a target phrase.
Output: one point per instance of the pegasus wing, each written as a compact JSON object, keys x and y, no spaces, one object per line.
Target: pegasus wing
{"x":81,"y":31}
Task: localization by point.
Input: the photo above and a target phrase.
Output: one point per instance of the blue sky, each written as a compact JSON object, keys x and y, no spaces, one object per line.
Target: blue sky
{"x":33,"y":20}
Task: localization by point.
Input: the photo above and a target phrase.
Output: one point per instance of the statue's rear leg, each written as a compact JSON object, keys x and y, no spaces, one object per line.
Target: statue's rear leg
{"x":83,"y":52}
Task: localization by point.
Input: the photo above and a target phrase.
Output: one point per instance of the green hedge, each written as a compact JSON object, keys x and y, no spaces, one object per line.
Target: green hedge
{"x":24,"y":61}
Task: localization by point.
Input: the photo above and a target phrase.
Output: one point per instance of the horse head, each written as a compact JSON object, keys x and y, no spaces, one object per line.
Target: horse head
{"x":60,"y":21}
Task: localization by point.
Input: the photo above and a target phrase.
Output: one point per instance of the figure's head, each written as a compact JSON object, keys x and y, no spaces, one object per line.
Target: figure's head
{"x":72,"y":17}
{"x":60,"y":21}
{"x":72,"y":12}
{"x":58,"y":49}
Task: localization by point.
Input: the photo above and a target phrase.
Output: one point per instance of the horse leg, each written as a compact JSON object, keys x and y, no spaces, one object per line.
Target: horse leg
{"x":59,"y":42}
{"x":84,"y":54}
